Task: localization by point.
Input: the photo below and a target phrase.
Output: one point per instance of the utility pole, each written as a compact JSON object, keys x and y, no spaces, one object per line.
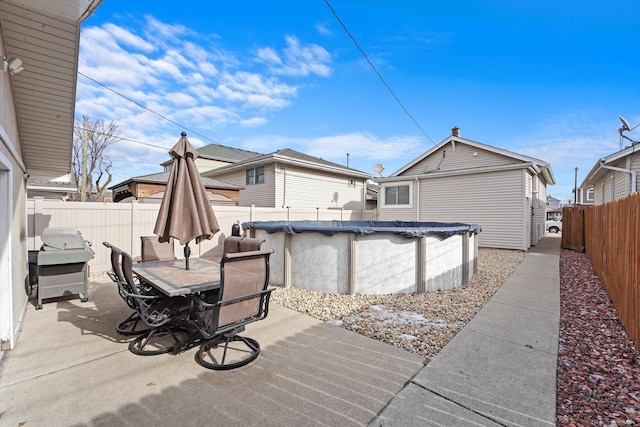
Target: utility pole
{"x":85,"y":138}
{"x":575,"y":188}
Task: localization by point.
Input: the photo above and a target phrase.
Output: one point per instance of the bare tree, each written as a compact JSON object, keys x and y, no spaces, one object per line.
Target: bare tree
{"x":92,"y":160}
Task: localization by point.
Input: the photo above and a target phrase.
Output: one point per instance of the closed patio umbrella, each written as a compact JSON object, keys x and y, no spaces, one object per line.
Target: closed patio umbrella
{"x":185,"y":212}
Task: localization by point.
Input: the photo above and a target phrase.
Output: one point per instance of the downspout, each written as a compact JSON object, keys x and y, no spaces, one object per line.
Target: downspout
{"x":284,"y":188}
{"x":629,"y":171}
{"x":417,"y":199}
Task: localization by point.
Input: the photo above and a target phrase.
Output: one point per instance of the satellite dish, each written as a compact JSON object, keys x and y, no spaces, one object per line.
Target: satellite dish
{"x":625,"y":123}
{"x":378,"y":168}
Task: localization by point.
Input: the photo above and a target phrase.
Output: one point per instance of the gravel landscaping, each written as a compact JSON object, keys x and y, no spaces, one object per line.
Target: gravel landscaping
{"x":598,"y":365}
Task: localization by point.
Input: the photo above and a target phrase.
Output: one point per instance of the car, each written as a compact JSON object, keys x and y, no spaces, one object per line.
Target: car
{"x":554,"y":226}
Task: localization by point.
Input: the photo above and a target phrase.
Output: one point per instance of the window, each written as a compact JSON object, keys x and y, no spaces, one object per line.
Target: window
{"x":255,"y":176}
{"x":397,"y":195}
{"x":591,"y":194}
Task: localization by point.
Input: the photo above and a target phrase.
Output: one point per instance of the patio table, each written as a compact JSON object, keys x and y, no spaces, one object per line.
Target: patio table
{"x":172,"y":279}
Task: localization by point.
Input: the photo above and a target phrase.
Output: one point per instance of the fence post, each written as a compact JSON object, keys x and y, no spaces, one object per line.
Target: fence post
{"x":135,"y":232}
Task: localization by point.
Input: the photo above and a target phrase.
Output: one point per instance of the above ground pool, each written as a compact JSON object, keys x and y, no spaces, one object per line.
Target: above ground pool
{"x":369,"y":257}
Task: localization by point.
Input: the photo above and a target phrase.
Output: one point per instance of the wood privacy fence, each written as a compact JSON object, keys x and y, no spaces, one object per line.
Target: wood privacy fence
{"x":122,"y":224}
{"x":611,"y":237}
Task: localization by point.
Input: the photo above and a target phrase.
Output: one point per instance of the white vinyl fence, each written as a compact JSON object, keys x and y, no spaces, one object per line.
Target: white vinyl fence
{"x":122,"y":224}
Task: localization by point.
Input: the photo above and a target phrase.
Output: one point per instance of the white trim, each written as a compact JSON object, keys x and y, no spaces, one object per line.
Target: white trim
{"x":9,"y":144}
{"x":8,"y":325}
{"x":397,"y":184}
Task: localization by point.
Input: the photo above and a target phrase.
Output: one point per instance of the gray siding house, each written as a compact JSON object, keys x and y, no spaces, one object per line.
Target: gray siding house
{"x":460,"y":180}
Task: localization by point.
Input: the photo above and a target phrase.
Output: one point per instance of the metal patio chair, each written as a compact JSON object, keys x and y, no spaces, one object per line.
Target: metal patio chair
{"x":153,"y":250}
{"x":232,"y":244}
{"x":129,"y":326}
{"x":165,"y":316}
{"x":250,"y":244}
{"x":243,"y":299}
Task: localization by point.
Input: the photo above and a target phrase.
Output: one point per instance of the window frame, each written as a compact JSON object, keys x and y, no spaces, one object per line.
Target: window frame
{"x":398,"y":184}
{"x":256,"y":174}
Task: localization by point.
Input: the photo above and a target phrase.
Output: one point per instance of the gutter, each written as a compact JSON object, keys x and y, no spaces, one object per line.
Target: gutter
{"x":629,"y":171}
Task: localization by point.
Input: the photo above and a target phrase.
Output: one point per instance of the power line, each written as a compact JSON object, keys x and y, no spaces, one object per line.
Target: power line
{"x":121,"y":138}
{"x":377,"y":72}
{"x":146,"y":108}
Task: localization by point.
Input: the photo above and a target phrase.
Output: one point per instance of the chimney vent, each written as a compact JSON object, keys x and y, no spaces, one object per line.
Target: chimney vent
{"x":455,"y":131}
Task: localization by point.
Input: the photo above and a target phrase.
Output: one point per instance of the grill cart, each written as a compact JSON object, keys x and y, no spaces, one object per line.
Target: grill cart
{"x":62,"y":264}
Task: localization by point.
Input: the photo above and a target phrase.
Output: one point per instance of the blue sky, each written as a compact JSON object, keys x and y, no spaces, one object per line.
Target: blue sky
{"x":543,"y":78}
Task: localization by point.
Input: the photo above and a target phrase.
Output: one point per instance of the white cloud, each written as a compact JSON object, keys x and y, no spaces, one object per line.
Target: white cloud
{"x":322,"y":29}
{"x":253,"y":122}
{"x":362,"y":147}
{"x":268,"y":55}
{"x":125,"y":37}
{"x":299,"y":60}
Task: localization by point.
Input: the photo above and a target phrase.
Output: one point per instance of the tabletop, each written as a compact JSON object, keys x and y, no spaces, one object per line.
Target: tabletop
{"x":172,"y":279}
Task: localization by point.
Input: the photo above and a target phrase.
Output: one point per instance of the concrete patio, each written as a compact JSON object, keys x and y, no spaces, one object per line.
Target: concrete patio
{"x":71,"y":368}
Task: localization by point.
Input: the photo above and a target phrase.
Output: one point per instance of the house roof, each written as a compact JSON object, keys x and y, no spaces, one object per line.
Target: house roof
{"x":544,"y":167}
{"x":45,"y":35}
{"x":222,"y":153}
{"x":163,"y":177}
{"x":616,"y":159}
{"x":292,"y":157}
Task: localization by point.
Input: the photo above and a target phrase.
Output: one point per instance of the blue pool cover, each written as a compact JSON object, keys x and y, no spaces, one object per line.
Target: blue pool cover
{"x":402,"y":228}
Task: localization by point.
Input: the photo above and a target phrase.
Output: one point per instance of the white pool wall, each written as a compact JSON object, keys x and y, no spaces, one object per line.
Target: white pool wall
{"x":378,"y":263}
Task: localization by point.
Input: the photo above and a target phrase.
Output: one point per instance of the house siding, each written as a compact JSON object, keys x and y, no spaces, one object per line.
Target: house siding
{"x":634,"y":164}
{"x":462,"y":158}
{"x":300,"y":188}
{"x":493,"y":200}
{"x":539,"y":206}
{"x":13,"y":252}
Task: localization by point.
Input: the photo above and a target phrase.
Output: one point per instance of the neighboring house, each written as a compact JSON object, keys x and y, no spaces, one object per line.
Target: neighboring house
{"x":150,"y":189}
{"x":215,"y":156}
{"x":554,"y":208}
{"x":37,"y":101}
{"x":613,"y":177}
{"x":460,"y":180}
{"x":585,"y":196}
{"x":288,"y":178}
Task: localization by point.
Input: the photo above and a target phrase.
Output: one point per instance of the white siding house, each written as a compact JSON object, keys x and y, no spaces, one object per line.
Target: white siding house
{"x":287,"y":178}
{"x":460,"y":180}
{"x":36,"y":127}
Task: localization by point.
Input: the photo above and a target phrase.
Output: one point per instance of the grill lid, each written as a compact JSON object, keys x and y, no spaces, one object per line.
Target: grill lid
{"x":62,"y":238}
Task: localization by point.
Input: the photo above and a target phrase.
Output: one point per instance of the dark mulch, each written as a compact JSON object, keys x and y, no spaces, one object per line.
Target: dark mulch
{"x":598,"y":365}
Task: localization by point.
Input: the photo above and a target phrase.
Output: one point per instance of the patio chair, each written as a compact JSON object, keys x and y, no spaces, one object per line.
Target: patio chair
{"x":165,"y":316}
{"x":129,"y":326}
{"x":244,"y":298}
{"x":153,"y":250}
{"x":232,"y":244}
{"x":250,"y":244}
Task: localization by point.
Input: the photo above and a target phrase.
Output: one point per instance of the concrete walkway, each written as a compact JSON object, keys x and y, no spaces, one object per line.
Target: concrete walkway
{"x":500,"y":370}
{"x":70,"y":368}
